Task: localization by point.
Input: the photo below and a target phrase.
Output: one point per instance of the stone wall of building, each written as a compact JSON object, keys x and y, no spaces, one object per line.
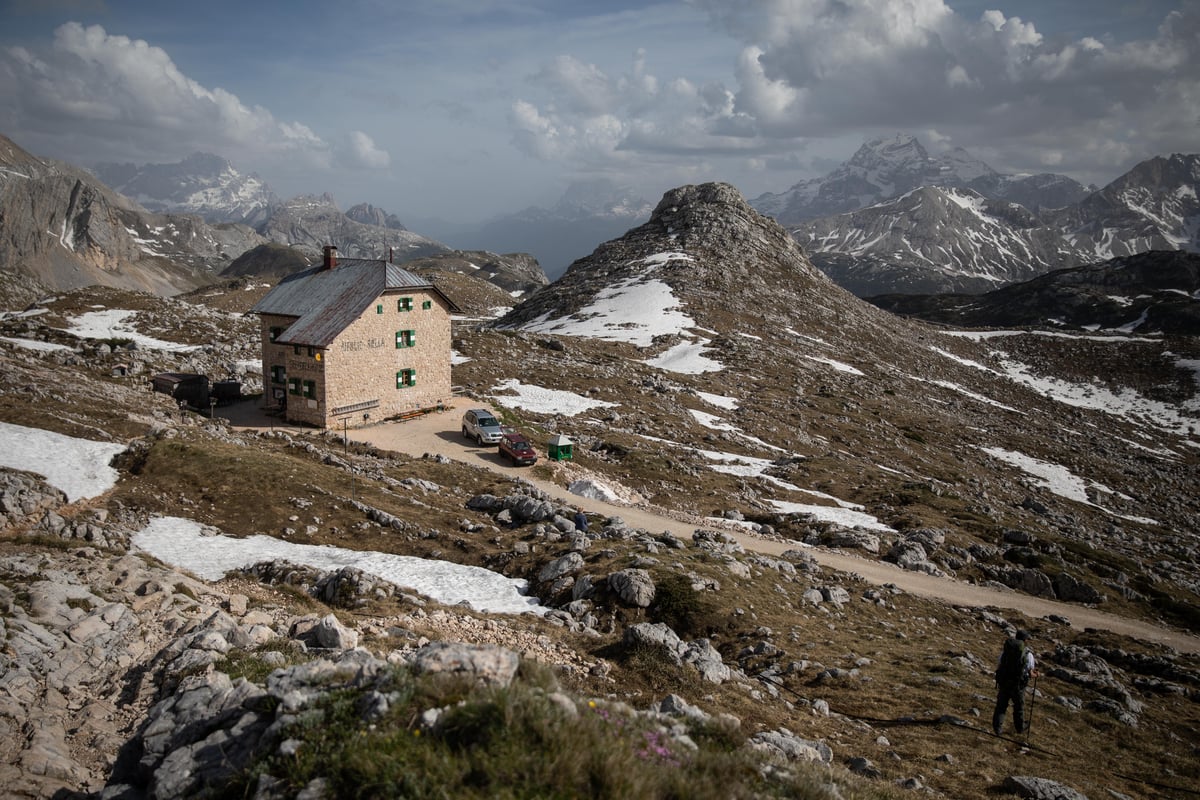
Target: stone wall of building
{"x":360,"y":366}
{"x":272,"y":355}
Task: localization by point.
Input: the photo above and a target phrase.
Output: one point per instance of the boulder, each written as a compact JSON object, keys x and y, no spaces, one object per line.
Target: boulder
{"x":635,"y":587}
{"x":785,"y":745}
{"x":853,"y":537}
{"x":324,"y":632}
{"x":1040,"y":789}
{"x":1068,"y":587}
{"x":486,"y":664}
{"x":564,"y":565}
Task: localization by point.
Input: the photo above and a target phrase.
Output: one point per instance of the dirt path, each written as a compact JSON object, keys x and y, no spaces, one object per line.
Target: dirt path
{"x":440,"y":434}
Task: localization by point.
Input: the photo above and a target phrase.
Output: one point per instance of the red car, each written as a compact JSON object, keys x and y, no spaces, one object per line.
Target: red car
{"x":517,"y":449}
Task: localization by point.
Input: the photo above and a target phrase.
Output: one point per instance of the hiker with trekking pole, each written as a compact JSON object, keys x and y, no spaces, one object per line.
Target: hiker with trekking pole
{"x":1013,"y":671}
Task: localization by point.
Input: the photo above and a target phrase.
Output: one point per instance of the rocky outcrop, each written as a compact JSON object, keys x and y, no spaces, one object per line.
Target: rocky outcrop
{"x":65,"y":229}
{"x":88,"y":640}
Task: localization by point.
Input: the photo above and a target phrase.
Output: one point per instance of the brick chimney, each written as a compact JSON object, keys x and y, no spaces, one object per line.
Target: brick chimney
{"x":330,"y":257}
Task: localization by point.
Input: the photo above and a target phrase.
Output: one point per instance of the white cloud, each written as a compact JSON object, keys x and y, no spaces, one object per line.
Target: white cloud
{"x":825,"y":68}
{"x":360,"y":151}
{"x":98,"y":96}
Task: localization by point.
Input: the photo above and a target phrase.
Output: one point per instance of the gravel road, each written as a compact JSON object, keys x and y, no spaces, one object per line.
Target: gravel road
{"x":440,"y":434}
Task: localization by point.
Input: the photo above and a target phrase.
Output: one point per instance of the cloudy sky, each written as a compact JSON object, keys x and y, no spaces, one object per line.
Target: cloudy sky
{"x":463,"y":109}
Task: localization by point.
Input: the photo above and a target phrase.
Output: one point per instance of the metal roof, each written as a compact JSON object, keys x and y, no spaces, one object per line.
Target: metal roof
{"x":326,"y":301}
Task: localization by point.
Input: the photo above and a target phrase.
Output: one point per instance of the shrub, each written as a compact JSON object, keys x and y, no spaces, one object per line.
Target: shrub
{"x":679,"y":605}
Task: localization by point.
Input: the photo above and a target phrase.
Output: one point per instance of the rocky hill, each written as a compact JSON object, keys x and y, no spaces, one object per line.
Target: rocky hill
{"x":1149,"y":293}
{"x":709,"y":375}
{"x":368,"y":214}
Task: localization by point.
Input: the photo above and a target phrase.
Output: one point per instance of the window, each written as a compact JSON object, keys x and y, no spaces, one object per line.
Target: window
{"x":404,"y":304}
{"x":293,"y":386}
{"x":278,"y":374}
{"x":312,"y":351}
{"x":406,"y":377}
{"x":276,"y":333}
{"x":379,"y":308}
{"x":310,"y":389}
{"x":428,"y":304}
{"x":295,"y":349}
{"x":406,"y":338}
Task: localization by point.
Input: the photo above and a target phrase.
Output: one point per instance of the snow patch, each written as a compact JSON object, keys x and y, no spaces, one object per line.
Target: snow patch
{"x":183,"y":544}
{"x":78,"y":467}
{"x":544,"y":401}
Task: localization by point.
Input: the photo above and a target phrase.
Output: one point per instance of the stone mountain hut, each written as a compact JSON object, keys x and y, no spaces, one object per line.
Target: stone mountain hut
{"x":354,"y":341}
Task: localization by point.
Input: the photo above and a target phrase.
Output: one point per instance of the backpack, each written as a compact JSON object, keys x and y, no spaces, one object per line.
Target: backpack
{"x":1011,"y":671}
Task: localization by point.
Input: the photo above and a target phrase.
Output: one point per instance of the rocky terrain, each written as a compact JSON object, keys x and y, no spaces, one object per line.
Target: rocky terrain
{"x":1149,"y":293}
{"x":704,"y":368}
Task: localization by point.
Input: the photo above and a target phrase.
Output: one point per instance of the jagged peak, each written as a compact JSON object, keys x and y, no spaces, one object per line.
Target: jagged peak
{"x":898,"y":148}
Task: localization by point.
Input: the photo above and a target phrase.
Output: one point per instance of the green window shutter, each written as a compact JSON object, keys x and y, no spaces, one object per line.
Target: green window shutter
{"x":412,"y":377}
{"x":379,"y":308}
{"x":293,"y":386}
{"x":412,"y":338}
{"x":428,"y":304}
{"x":399,"y":339}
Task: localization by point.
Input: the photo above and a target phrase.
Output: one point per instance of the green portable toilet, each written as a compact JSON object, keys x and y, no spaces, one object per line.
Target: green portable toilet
{"x":559,"y":448}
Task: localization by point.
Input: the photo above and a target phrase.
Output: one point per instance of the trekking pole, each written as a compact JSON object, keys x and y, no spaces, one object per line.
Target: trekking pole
{"x":1032,"y":698}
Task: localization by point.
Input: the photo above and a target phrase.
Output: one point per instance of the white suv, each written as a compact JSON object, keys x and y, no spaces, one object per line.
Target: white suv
{"x":480,"y":425}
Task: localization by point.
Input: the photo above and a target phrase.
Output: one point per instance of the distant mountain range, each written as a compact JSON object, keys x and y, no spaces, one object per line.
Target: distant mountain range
{"x":63,"y":227}
{"x":202,"y":184}
{"x":884,"y":169}
{"x":894,"y":219}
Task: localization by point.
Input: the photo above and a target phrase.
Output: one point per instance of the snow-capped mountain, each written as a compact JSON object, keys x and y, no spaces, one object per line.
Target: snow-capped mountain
{"x":1154,"y":206}
{"x":946,"y":239}
{"x":884,"y":169}
{"x":935,"y":239}
{"x":588,"y":213}
{"x":880,"y":170}
{"x":202,"y":183}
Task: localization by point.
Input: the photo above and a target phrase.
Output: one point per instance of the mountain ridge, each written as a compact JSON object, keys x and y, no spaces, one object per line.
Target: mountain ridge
{"x":919,"y":242}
